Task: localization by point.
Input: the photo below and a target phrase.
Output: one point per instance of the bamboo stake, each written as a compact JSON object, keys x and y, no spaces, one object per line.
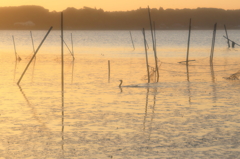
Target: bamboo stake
{"x":145,"y":45}
{"x":213,"y":42}
{"x":62,"y":59}
{"x":189,"y":34}
{"x":72,"y":47}
{"x":34,"y":56}
{"x":72,"y":70}
{"x":227,"y":35}
{"x":16,"y":55}
{"x":132,"y":40}
{"x":153,"y":41}
{"x":33,"y":52}
{"x":62,"y":72}
{"x":109,"y":71}
{"x":32,"y":41}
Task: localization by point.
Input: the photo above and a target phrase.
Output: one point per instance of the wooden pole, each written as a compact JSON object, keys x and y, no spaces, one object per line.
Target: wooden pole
{"x":145,"y":45}
{"x":227,"y":35}
{"x":62,"y":55}
{"x":189,"y":34}
{"x":132,"y":40}
{"x":109,"y":68}
{"x":32,"y":41}
{"x":16,"y":56}
{"x":72,"y":47}
{"x":33,"y":52}
{"x":213,"y":42}
{"x":153,"y":41}
{"x":62,"y":73}
{"x":34,"y":56}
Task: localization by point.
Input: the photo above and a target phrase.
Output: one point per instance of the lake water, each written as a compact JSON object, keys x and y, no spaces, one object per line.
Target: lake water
{"x":192,"y":112}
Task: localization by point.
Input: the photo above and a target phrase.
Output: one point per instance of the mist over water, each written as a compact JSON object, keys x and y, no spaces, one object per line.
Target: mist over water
{"x":192,"y":112}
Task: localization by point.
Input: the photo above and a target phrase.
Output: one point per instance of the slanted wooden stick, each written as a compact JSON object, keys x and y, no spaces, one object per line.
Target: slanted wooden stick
{"x":227,"y":36}
{"x":132,"y":40}
{"x":68,"y":47}
{"x":34,"y":56}
{"x":16,"y":55}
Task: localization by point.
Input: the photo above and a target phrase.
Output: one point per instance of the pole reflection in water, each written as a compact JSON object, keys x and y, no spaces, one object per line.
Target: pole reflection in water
{"x":213,"y":82}
{"x":15,"y":68}
{"x":146,"y":107}
{"x":32,"y":108}
{"x":72,"y":70}
{"x":153,"y":111}
{"x":188,"y":86}
{"x":146,"y":112}
{"x":62,"y":124}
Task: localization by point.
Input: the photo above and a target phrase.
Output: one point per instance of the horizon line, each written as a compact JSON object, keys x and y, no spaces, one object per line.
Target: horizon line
{"x":53,"y":10}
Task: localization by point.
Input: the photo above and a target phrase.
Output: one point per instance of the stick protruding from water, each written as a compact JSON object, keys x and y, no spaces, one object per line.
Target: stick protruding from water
{"x":34,"y":55}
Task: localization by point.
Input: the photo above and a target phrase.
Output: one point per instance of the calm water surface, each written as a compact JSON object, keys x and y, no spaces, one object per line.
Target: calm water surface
{"x":192,"y":112}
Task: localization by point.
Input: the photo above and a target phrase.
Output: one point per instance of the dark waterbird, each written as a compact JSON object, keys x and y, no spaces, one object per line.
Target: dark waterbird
{"x":140,"y":85}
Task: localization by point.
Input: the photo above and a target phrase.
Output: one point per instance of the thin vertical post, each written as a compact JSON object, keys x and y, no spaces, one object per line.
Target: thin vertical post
{"x":72,"y":46}
{"x":145,"y":45}
{"x":132,"y":40}
{"x":153,"y":41}
{"x":14,"y":48}
{"x":213,"y":42}
{"x":189,"y":35}
{"x":62,"y":58}
{"x":32,"y":42}
{"x":33,"y":56}
{"x":155,"y":38}
{"x":227,"y":36}
{"x":109,"y":69}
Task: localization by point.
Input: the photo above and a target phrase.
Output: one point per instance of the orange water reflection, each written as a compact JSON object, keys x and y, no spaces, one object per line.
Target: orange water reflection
{"x":193,"y":110}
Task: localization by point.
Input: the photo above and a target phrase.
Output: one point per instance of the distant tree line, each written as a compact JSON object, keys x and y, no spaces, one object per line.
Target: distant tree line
{"x":38,"y":18}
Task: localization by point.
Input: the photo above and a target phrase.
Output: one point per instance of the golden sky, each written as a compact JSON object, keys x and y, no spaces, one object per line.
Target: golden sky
{"x":123,"y":5}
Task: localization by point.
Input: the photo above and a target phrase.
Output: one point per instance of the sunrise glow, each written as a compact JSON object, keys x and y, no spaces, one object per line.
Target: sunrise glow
{"x":124,"y":5}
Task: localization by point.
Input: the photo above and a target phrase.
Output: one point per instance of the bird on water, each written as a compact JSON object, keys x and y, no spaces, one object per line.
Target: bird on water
{"x":121,"y":81}
{"x":120,"y":85}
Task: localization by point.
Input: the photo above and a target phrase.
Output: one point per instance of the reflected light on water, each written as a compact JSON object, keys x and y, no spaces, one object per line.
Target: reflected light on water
{"x":193,"y":112}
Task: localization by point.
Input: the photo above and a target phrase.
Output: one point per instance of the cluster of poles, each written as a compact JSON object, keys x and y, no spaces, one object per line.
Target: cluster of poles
{"x":153,"y":35}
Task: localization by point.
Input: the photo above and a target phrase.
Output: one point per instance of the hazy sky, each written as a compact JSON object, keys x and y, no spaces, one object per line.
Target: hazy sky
{"x":123,"y":5}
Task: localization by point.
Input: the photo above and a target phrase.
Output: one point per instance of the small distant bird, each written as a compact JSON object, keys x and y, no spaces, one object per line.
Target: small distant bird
{"x":120,"y":85}
{"x":121,"y":81}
